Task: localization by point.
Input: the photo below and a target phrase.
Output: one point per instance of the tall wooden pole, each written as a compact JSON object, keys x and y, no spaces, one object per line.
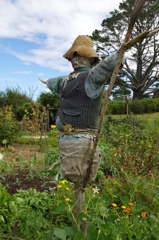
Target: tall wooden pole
{"x":137,"y":8}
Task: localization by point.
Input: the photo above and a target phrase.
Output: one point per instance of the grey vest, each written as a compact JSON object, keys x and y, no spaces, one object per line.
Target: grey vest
{"x":75,"y":107}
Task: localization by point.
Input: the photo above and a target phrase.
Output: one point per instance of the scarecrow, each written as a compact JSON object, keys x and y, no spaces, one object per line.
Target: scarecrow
{"x":80,"y":97}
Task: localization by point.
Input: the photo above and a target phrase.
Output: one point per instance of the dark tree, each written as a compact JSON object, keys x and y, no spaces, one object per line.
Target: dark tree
{"x":48,"y":100}
{"x":141,"y":71}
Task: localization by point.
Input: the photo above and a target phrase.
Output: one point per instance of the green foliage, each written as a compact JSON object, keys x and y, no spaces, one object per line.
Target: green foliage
{"x":17,"y":99}
{"x":21,"y":110}
{"x":116,"y":107}
{"x":3,"y":99}
{"x":48,"y":100}
{"x":124,"y":204}
{"x":13,"y":97}
{"x":32,"y":119}
{"x":147,"y":105}
{"x":119,"y":107}
{"x":133,"y":146}
{"x":51,"y":156}
{"x":137,"y":106}
{"x":52,"y":138}
{"x":9,"y":127}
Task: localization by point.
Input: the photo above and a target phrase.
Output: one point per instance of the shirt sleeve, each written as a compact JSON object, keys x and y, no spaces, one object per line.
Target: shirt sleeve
{"x":54,"y":84}
{"x":99,"y":74}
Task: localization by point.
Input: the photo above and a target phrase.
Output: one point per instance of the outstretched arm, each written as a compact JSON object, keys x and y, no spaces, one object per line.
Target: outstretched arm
{"x":53,"y":83}
{"x":99,"y":74}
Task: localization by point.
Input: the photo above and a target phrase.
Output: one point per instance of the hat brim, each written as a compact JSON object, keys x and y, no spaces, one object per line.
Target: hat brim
{"x":83,"y":51}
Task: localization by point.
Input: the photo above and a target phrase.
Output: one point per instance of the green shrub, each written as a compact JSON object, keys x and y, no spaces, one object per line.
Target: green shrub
{"x":116,"y":107}
{"x":150,"y":105}
{"x":134,"y":148}
{"x":157,"y":104}
{"x":47,"y":99}
{"x":20,"y":110}
{"x":9,"y":127}
{"x":137,"y":106}
{"x":3,"y":99}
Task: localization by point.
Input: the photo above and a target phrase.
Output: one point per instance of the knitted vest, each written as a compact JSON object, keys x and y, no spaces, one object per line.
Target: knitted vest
{"x":75,"y":107}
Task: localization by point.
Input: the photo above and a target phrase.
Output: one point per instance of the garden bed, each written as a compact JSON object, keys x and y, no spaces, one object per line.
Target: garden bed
{"x":22,"y":177}
{"x":122,"y":202}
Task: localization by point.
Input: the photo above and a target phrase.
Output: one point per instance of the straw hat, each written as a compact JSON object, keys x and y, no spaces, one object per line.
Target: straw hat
{"x":83,"y":45}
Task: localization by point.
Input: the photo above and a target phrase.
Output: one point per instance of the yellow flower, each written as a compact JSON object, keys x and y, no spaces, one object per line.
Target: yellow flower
{"x":63,"y":181}
{"x":67,"y":189}
{"x":136,"y":190}
{"x":114,"y":205}
{"x":67,"y":199}
{"x":53,"y":126}
{"x":59,"y":186}
{"x":123,"y":207}
{"x":138,"y":216}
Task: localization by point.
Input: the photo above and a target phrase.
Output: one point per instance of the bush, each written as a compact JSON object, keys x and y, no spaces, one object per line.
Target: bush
{"x":16,"y":99}
{"x":150,"y":105}
{"x":157,"y":104}
{"x":20,"y":111}
{"x":32,"y":119}
{"x":137,"y":106}
{"x":47,"y":99}
{"x":9,"y":127}
{"x":116,"y":107}
{"x":130,"y":146}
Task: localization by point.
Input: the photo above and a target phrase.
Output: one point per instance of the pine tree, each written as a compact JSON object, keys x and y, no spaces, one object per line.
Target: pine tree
{"x":141,"y":70}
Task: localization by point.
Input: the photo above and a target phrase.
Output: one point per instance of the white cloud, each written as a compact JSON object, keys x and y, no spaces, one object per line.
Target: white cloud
{"x":52,"y":24}
{"x":27,"y":63}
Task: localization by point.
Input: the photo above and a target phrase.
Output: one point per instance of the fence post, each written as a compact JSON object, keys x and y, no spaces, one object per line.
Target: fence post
{"x":84,"y":227}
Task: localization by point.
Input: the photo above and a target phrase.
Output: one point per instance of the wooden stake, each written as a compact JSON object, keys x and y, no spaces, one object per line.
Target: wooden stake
{"x":15,"y":227}
{"x":79,"y":196}
{"x":43,"y":130}
{"x":137,"y":8}
{"x":84,"y":227}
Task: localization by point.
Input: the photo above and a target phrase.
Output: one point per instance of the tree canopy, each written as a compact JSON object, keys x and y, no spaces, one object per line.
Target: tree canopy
{"x":141,"y":70}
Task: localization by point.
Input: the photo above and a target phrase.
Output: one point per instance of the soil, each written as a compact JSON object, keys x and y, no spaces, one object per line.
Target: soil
{"x":20,"y":179}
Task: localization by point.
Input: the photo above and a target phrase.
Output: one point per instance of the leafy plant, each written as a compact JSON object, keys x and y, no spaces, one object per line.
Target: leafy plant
{"x":9,"y":127}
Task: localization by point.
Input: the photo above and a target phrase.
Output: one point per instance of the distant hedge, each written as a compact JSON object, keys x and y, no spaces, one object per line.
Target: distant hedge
{"x":147,"y":105}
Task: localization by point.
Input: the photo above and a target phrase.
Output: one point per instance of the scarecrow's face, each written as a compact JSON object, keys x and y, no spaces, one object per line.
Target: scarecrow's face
{"x":78,"y":61}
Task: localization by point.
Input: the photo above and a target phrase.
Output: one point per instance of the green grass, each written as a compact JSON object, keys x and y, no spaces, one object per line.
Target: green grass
{"x":146,"y":116}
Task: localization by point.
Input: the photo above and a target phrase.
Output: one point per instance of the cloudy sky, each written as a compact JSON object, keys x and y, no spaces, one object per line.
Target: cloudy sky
{"x":34,"y":35}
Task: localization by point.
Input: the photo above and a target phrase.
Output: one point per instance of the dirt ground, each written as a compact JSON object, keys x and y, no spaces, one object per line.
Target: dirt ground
{"x":19,"y":179}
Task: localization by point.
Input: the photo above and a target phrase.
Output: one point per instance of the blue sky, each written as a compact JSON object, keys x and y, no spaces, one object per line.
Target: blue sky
{"x":34,"y":35}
